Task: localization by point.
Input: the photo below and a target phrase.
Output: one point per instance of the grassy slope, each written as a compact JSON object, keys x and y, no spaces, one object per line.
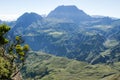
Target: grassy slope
{"x":65,"y":69}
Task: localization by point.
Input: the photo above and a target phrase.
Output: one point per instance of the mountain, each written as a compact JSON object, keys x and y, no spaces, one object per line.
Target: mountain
{"x":71,"y":36}
{"x":112,"y":44}
{"x":27,"y":19}
{"x":24,"y":21}
{"x":69,"y":13}
{"x":42,"y":66}
{"x":70,"y":32}
{"x":0,"y":21}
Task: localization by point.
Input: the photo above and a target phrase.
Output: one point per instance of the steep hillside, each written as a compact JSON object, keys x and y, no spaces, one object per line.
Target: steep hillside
{"x":23,"y":22}
{"x":94,"y":40}
{"x":43,"y":66}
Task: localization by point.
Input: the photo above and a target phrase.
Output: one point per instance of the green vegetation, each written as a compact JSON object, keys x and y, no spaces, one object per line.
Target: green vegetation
{"x":12,"y":54}
{"x":95,"y":41}
{"x":82,"y":38}
{"x":41,"y":66}
{"x":5,"y":68}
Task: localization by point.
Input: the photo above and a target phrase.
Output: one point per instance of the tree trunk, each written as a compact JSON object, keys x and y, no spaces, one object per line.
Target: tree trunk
{"x":17,"y":75}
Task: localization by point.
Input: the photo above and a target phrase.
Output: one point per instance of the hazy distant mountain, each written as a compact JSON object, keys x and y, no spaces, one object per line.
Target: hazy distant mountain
{"x":69,"y":13}
{"x":0,"y":21}
{"x":28,"y":18}
{"x":70,"y":32}
{"x":24,"y":21}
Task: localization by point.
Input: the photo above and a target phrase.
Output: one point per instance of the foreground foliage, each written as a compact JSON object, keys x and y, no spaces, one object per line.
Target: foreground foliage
{"x":12,"y":54}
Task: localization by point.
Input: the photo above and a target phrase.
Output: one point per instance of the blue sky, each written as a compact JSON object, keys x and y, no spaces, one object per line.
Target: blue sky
{"x":12,"y":9}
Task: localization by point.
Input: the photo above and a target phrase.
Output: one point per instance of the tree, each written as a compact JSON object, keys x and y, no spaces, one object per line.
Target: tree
{"x":12,"y":54}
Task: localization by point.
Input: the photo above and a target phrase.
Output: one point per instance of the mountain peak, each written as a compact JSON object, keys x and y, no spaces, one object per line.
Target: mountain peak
{"x":69,"y":12}
{"x":66,"y":8}
{"x":25,"y":21}
{"x":27,"y":18}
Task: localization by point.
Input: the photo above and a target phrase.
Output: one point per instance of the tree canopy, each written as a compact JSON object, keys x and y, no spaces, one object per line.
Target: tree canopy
{"x":12,"y":54}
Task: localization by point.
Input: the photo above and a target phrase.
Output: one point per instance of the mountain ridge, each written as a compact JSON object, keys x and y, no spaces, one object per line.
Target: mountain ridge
{"x":69,"y":12}
{"x":71,"y":48}
{"x":84,"y":40}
